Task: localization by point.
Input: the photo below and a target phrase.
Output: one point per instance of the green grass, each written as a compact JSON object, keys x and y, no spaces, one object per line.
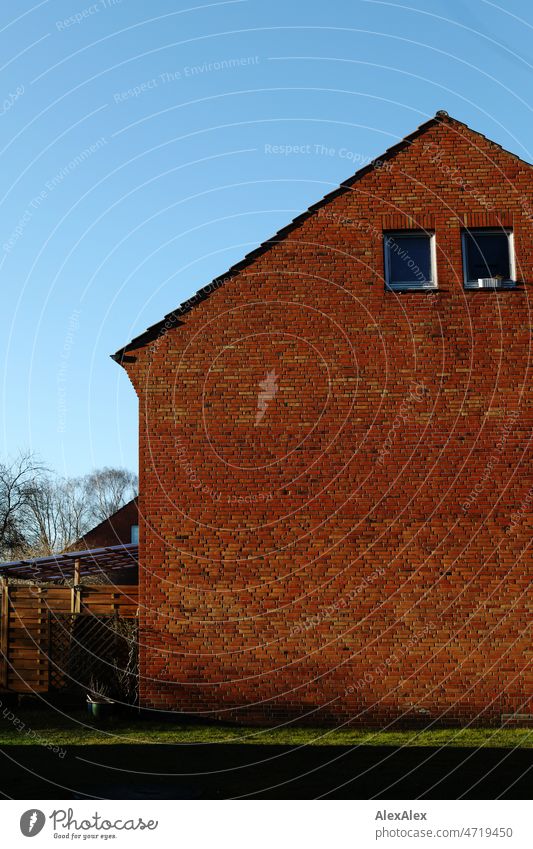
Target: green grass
{"x":30,"y":727}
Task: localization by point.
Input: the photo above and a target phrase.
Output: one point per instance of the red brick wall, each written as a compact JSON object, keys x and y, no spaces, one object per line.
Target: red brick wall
{"x":362,"y":552}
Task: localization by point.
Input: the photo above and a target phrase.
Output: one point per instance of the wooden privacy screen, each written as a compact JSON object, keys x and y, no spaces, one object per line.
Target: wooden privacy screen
{"x":24,"y":625}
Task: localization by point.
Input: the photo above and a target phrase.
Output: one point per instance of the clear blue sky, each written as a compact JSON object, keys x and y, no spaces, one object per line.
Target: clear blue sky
{"x":137,"y":164}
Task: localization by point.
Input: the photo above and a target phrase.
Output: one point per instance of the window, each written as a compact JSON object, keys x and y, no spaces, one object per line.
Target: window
{"x":488,"y":258}
{"x":410,"y":260}
{"x":135,"y":534}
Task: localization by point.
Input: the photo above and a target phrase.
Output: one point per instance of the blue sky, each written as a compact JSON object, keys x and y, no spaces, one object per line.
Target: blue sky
{"x":147,"y":147}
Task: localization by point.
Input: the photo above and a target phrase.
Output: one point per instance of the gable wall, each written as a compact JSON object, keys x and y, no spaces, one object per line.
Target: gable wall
{"x":115,"y":530}
{"x":361,"y":551}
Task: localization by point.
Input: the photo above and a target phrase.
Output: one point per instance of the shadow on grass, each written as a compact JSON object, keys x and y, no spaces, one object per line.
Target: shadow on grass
{"x":215,"y":771}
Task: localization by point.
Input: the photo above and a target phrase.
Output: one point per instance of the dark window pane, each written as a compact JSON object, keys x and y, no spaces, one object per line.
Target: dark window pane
{"x":487,"y":255}
{"x":409,"y":259}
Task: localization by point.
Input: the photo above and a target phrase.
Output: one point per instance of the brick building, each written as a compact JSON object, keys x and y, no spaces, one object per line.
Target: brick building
{"x":122,"y":527}
{"x":335,"y":465}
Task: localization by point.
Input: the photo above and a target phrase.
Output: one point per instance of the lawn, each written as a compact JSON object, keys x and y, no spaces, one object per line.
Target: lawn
{"x":32,"y":727}
{"x":49,"y":755}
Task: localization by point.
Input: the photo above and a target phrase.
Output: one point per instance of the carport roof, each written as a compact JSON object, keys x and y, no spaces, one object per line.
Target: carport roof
{"x":93,"y":562}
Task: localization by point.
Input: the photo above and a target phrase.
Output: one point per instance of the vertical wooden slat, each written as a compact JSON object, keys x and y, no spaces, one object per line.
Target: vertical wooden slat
{"x":43,"y":640}
{"x":75,"y":605}
{"x":49,"y":645}
{"x":4,"y":632}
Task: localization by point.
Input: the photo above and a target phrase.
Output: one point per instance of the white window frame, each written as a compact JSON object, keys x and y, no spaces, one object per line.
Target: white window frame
{"x":487,"y":231}
{"x":134,"y":534}
{"x":410,"y":286}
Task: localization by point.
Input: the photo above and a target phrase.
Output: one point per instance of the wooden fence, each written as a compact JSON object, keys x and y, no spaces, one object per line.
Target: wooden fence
{"x":25,"y":614}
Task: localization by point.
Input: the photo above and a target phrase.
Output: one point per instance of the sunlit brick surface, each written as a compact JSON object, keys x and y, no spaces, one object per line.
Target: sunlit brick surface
{"x":362,"y":552}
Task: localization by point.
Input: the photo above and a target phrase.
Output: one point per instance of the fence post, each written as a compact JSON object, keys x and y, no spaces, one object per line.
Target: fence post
{"x":4,"y":631}
{"x":75,"y":601}
{"x":49,"y":639}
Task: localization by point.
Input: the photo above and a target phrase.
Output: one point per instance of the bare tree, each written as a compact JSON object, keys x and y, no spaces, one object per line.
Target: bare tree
{"x":41,"y":514}
{"x":109,"y":489}
{"x":76,"y":514}
{"x":42,"y":530}
{"x":19,"y":480}
{"x":58,"y":514}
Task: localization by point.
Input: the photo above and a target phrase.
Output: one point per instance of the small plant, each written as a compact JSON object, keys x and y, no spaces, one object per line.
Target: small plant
{"x":98,"y":691}
{"x":99,"y":704}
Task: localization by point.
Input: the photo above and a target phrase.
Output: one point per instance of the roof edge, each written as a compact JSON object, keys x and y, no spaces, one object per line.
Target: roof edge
{"x":172,"y":319}
{"x":127,"y":547}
